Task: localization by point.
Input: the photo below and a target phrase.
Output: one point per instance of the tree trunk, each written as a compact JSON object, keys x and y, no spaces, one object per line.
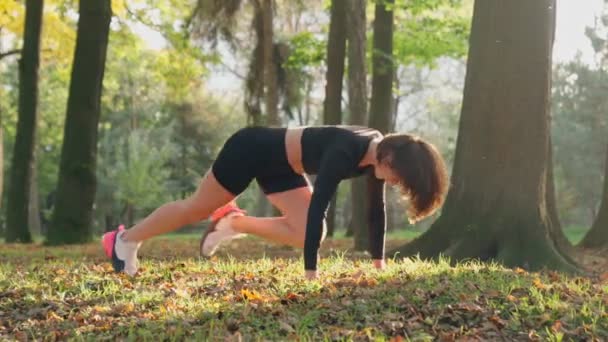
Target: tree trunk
{"x":597,"y":237}
{"x":255,"y":76}
{"x":270,"y":68}
{"x":23,"y":153}
{"x":332,"y":105}
{"x":34,"y":212}
{"x":381,"y":106}
{"x":1,"y":154}
{"x":73,"y":212}
{"x":381,"y":103}
{"x":357,"y":103}
{"x":496,"y":207}
{"x":1,"y":164}
{"x":557,"y":232}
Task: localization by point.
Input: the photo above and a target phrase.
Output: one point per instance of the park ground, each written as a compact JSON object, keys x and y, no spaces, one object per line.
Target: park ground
{"x":255,"y":291}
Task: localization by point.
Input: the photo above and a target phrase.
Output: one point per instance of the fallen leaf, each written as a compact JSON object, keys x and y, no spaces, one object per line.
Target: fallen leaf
{"x":250,"y":295}
{"x":52,"y":316}
{"x":533,"y":336}
{"x":497,"y":321}
{"x":538,"y":284}
{"x":554,"y":276}
{"x":557,"y":326}
{"x":447,"y":337}
{"x":494,"y":293}
{"x":367,"y":282}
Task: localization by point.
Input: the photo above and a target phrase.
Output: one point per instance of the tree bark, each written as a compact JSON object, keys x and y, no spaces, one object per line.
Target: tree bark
{"x":73,"y":212}
{"x":34,"y":212}
{"x":1,"y":154}
{"x":557,"y":232}
{"x":597,"y":236}
{"x":270,"y":68}
{"x":496,"y":208}
{"x":23,"y":153}
{"x":332,"y":105}
{"x":381,"y":104}
{"x":254,"y":94}
{"x":357,"y":103}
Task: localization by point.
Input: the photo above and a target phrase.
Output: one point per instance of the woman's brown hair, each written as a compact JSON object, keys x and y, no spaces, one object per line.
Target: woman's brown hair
{"x":421,"y":169}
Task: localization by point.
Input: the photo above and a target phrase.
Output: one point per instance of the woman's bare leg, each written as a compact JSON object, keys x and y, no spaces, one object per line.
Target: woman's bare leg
{"x":209,"y":196}
{"x":288,"y":229}
{"x":275,"y":229}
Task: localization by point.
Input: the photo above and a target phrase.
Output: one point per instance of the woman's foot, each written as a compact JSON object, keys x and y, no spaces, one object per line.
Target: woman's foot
{"x":123,"y":253}
{"x":220,"y":229}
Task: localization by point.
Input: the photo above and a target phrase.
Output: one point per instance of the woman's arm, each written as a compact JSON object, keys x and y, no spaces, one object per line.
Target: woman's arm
{"x":376,"y":219}
{"x":335,"y":166}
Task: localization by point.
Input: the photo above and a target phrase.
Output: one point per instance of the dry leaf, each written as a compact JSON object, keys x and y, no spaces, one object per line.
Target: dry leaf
{"x":557,"y":326}
{"x":538,"y":284}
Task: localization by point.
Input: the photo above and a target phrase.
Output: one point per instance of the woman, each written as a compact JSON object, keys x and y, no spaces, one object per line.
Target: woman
{"x":277,"y":158}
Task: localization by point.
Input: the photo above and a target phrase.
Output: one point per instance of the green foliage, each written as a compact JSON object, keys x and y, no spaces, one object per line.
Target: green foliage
{"x":419,"y":6}
{"x":139,"y":171}
{"x":254,"y":290}
{"x":306,"y":50}
{"x":580,"y":131}
{"x":427,"y":30}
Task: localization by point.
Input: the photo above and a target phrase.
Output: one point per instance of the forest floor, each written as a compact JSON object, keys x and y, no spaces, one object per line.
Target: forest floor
{"x":255,"y":291}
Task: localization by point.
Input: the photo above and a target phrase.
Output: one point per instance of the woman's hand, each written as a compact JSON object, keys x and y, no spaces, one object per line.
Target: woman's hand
{"x":379,"y":264}
{"x":312,"y":275}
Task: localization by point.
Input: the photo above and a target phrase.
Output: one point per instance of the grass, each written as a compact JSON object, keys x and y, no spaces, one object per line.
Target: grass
{"x":255,"y":291}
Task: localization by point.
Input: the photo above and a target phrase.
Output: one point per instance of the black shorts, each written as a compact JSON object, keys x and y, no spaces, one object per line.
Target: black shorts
{"x":256,"y":152}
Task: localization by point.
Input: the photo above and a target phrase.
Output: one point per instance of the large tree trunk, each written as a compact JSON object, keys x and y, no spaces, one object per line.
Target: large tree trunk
{"x":73,"y":212}
{"x":597,"y":237}
{"x":270,"y":68}
{"x":23,"y":153}
{"x":357,"y":102}
{"x":255,"y":76}
{"x":381,"y":103}
{"x":496,"y":208}
{"x":557,"y":233}
{"x":332,"y":105}
{"x":1,"y":152}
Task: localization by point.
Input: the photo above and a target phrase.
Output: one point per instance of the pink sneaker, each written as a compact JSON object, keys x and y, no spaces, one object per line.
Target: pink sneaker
{"x":109,"y":238}
{"x":123,"y":253}
{"x":220,"y":229}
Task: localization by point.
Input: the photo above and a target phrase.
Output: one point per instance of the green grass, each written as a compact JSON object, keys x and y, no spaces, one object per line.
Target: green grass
{"x":256,"y":291}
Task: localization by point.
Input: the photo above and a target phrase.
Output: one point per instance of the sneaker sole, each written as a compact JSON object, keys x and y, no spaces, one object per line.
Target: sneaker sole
{"x":212,"y":226}
{"x":209,"y":230}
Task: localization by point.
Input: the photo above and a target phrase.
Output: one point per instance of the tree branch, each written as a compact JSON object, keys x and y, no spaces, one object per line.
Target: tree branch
{"x":8,"y":53}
